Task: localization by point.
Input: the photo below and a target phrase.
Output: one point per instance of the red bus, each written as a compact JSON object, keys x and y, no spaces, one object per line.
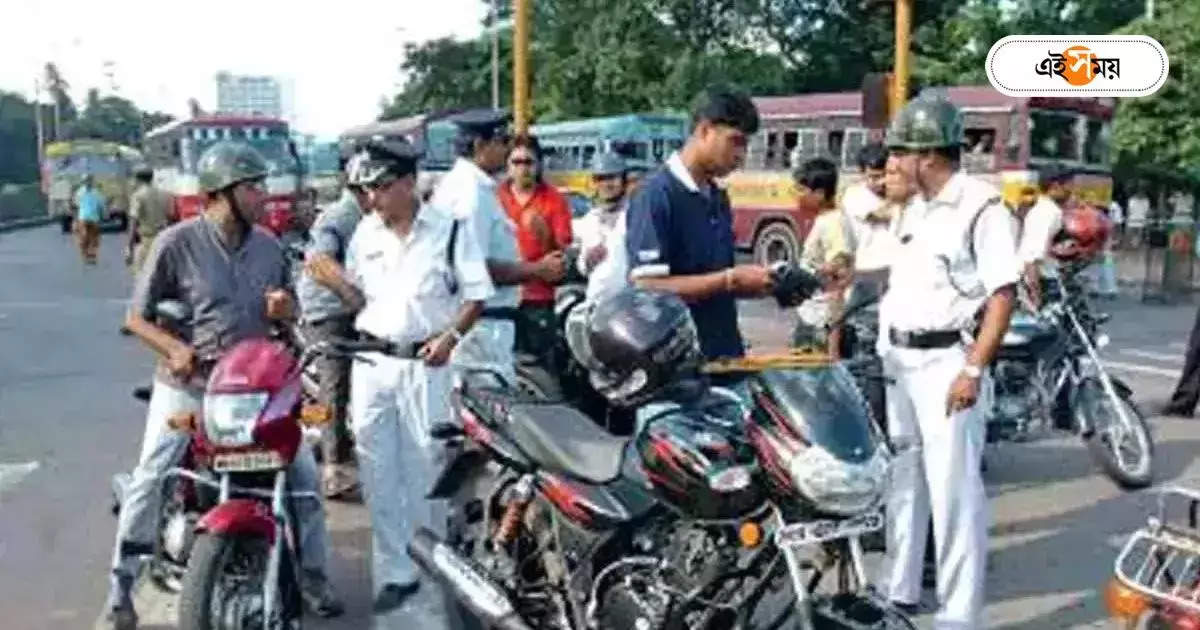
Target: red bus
{"x":173,"y":149}
{"x":1007,"y":140}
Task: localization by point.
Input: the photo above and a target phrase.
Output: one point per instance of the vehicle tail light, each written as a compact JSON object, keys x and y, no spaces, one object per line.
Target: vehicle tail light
{"x":1123,"y":602}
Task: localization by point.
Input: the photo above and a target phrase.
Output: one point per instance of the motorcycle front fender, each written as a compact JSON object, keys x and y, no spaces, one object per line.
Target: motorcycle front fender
{"x":239,"y":517}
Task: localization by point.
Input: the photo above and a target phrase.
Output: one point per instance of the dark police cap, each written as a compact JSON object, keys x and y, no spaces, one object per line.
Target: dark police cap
{"x":481,"y":121}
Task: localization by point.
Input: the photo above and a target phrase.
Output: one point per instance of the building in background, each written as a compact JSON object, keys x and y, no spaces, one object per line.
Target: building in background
{"x":246,"y":95}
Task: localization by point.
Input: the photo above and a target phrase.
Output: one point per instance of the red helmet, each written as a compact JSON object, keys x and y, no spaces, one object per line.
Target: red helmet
{"x":1085,"y":231}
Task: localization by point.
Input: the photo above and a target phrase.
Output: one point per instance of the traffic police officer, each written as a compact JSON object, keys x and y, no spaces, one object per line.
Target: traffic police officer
{"x":468,"y":193}
{"x":950,"y":295}
{"x":418,"y":280}
{"x":601,"y":231}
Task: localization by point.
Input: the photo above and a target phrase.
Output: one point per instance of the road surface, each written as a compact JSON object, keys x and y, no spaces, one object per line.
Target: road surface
{"x":67,"y":423}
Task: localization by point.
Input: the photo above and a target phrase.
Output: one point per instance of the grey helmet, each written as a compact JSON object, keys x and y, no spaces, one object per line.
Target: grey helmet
{"x":609,"y":163}
{"x":228,"y":164}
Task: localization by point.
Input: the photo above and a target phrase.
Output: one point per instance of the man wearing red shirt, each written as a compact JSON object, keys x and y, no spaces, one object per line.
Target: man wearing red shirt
{"x":543,"y":222}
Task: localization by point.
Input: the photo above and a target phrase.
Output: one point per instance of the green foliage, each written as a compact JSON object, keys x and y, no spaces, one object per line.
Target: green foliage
{"x":18,"y":136}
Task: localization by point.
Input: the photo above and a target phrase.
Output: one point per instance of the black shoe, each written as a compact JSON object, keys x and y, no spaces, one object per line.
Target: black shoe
{"x":319,"y":596}
{"x":912,"y":610}
{"x":393,"y":595}
{"x":1176,"y":412}
{"x":118,"y":610}
{"x":124,"y":330}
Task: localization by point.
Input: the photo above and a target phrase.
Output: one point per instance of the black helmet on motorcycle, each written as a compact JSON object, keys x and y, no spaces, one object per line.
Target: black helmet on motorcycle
{"x":634,"y":343}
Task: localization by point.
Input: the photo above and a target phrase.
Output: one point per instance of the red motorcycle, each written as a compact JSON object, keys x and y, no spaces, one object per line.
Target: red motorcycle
{"x":227,"y":536}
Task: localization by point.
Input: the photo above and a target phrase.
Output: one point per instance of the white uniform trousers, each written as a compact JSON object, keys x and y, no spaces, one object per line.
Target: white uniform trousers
{"x":936,"y":468}
{"x":394,"y":403}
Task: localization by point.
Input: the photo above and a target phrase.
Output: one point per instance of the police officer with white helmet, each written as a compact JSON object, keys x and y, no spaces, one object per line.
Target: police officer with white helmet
{"x":950,"y":295}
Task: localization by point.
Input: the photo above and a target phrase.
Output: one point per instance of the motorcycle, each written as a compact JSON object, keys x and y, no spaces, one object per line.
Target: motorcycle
{"x":1156,"y":576}
{"x":226,"y":538}
{"x":1048,"y":372}
{"x":694,"y":522}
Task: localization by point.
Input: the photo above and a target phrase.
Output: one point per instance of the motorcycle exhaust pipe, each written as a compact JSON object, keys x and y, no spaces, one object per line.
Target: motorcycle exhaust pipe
{"x":474,"y":590}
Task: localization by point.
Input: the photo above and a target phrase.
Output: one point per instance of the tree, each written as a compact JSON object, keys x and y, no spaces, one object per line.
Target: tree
{"x":64,"y":107}
{"x":109,"y":118}
{"x":18,"y":136}
{"x":1164,"y":129}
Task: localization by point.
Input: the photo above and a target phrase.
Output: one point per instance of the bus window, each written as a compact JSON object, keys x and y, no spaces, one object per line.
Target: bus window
{"x":657,"y":150}
{"x":1012,"y":145}
{"x":1095,"y":146}
{"x":834,"y":143}
{"x":979,"y":153}
{"x":1053,"y":136}
{"x":806,"y":148}
{"x":790,"y":138}
{"x":851,"y":146}
{"x":769,"y":161}
{"x":588,"y":153}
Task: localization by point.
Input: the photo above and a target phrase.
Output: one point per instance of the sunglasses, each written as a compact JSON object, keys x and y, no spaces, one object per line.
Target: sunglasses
{"x":382,"y":183}
{"x":522,"y":162}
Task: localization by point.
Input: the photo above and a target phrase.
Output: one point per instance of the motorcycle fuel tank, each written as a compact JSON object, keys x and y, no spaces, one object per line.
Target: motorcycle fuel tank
{"x":696,"y":457}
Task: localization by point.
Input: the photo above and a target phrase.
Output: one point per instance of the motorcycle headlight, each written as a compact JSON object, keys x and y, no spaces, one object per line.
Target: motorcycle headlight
{"x":836,"y":486}
{"x":229,"y":419}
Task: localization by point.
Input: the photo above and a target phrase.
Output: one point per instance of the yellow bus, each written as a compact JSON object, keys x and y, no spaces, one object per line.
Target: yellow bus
{"x":110,"y":165}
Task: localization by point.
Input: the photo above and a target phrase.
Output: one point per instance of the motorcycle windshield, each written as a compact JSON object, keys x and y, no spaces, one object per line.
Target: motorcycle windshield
{"x":825,"y":407}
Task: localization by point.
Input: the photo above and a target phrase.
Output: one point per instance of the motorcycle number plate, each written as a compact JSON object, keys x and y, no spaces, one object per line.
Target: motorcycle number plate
{"x":247,"y":462}
{"x":813,"y":532}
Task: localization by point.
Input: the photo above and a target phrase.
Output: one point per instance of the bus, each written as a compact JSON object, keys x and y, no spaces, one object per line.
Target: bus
{"x":570,"y":146}
{"x":173,"y":150}
{"x":110,"y":165}
{"x":1007,"y":140}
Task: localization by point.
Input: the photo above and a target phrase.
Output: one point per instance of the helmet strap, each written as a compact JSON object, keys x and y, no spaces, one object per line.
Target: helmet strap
{"x":236,"y":209}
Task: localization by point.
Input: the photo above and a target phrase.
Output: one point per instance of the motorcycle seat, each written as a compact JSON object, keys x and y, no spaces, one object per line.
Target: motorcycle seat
{"x":563,"y":438}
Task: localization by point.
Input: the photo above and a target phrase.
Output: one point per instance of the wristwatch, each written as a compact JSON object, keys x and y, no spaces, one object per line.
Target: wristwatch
{"x":972,"y":371}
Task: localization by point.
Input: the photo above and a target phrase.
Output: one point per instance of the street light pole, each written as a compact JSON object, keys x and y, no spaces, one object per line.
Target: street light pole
{"x":521,"y":65}
{"x":900,"y":72}
{"x":495,"y":54}
{"x":37,"y":117}
{"x":1149,"y":9}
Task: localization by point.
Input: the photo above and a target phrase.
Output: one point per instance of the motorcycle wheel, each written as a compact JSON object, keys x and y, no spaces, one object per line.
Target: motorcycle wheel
{"x":223,"y":586}
{"x":1108,"y":447}
{"x":851,"y":611}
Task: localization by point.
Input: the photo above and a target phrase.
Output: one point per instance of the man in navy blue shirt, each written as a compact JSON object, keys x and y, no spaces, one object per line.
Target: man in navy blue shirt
{"x":680,"y":226}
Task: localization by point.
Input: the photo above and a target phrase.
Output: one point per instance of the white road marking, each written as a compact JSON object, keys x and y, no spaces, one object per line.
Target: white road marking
{"x":1178,"y":345}
{"x":12,"y":474}
{"x":1144,"y":369}
{"x":1157,"y":356}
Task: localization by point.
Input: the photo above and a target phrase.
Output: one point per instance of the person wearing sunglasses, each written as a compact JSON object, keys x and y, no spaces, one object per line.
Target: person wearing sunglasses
{"x":417,"y":279}
{"x":543,"y":222}
{"x":233,"y":277}
{"x":468,"y":193}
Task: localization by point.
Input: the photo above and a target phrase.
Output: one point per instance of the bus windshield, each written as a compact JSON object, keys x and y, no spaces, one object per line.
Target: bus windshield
{"x":81,"y":164}
{"x":273,"y":148}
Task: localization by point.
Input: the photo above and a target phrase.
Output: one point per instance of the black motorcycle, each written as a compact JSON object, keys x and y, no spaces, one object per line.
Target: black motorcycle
{"x":711,"y":516}
{"x":1048,"y":373}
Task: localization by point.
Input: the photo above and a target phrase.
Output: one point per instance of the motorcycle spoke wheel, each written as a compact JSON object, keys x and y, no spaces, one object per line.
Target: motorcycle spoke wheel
{"x":1124,"y":451}
{"x":223,"y":589}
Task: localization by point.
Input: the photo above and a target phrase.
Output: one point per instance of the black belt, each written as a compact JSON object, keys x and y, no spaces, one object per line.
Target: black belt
{"x":400,"y":351}
{"x":925,"y":340}
{"x":511,"y":313}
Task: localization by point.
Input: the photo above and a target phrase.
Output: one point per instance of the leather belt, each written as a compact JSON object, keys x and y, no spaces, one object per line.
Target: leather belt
{"x":397,"y":350}
{"x":511,"y":313}
{"x":925,"y":340}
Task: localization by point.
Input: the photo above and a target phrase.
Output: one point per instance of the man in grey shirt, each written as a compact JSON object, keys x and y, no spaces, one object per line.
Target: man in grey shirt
{"x":233,"y":278}
{"x":324,"y":315}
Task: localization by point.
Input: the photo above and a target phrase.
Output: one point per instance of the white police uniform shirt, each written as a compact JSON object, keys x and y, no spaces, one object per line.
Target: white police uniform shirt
{"x":934,"y":284}
{"x":468,"y":193}
{"x":407,"y":281}
{"x":1041,"y":223}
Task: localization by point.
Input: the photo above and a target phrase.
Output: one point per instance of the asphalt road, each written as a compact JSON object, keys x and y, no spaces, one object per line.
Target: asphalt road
{"x":67,"y":423}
